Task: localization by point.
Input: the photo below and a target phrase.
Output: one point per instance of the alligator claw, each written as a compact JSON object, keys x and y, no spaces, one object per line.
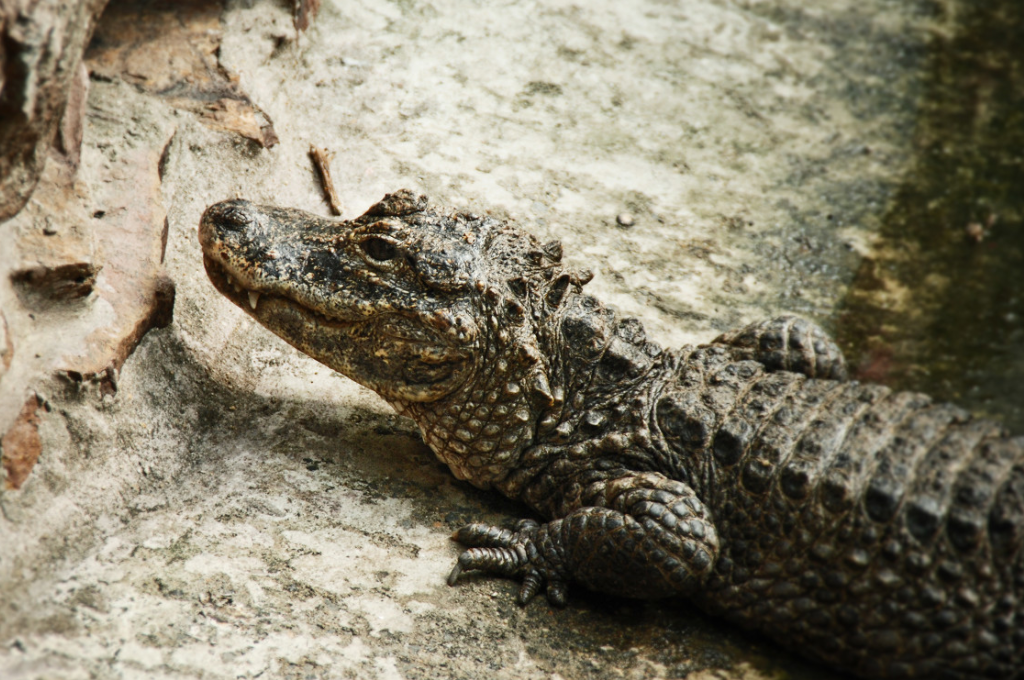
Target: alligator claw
{"x":506,"y":553}
{"x":558,"y":593}
{"x":453,"y":577}
{"x":532,"y":583}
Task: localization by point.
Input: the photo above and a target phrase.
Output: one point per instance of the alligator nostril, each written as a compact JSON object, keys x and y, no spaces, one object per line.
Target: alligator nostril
{"x":234,"y":219}
{"x":230,"y":215}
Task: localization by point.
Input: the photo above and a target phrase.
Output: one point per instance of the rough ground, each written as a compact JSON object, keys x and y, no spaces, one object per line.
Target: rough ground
{"x":227,"y":508}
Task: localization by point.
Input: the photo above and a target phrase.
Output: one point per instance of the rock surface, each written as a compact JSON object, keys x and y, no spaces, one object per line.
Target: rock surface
{"x":222,"y":507}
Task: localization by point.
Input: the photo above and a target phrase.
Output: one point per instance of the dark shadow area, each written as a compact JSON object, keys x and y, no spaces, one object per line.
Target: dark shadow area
{"x":938,"y":307}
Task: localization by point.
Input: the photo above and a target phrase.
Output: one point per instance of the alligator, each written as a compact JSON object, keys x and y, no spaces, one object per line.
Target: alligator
{"x":872,"y":530}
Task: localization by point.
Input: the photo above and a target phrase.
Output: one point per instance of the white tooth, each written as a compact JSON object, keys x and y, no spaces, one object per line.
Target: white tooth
{"x":237,"y":287}
{"x":253,"y":298}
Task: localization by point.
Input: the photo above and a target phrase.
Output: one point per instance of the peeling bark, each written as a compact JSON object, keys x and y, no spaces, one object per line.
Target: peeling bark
{"x":172,"y":50}
{"x":21,"y":445}
{"x":41,"y":46}
{"x":6,"y":346}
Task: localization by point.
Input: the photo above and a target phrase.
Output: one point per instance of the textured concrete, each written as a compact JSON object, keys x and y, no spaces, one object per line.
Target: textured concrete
{"x":234,"y":510}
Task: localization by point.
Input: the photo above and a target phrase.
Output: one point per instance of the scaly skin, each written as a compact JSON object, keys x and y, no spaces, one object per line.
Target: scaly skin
{"x":872,"y":530}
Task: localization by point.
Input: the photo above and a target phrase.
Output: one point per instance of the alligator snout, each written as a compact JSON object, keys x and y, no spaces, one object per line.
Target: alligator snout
{"x":229,"y":216}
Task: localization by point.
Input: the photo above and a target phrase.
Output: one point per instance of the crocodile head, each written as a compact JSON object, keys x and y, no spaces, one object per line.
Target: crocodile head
{"x":436,"y":311}
{"x":380,"y":298}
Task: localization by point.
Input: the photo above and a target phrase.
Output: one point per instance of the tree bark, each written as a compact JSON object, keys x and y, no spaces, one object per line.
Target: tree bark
{"x":41,"y":46}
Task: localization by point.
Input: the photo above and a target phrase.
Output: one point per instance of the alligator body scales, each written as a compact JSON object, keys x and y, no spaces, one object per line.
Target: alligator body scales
{"x":875,"y":531}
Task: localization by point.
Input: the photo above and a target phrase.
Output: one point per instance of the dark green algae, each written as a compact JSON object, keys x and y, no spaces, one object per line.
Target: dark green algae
{"x":938,"y":307}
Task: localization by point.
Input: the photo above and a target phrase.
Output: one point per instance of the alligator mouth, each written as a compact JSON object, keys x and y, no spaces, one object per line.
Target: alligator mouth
{"x":255,"y":303}
{"x":427,"y":370}
{"x":262,"y":305}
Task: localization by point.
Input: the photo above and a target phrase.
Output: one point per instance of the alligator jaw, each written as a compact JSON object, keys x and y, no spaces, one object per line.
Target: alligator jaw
{"x":255,"y":302}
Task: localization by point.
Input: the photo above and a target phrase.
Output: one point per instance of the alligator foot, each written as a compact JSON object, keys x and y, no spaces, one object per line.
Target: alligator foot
{"x":788,"y":343}
{"x":639,"y":535}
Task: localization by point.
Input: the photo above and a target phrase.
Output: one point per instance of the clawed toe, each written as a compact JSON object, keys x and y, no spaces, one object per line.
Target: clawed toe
{"x":508,"y":553}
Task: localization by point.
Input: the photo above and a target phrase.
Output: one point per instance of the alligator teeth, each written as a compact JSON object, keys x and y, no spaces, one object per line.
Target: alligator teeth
{"x":253,"y":298}
{"x":235,"y":285}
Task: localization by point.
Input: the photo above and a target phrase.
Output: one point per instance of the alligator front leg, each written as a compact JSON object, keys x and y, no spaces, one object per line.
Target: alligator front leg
{"x":637,"y":535}
{"x":788,"y":343}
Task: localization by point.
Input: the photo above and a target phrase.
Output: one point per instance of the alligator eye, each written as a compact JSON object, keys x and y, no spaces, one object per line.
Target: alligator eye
{"x":378,"y":249}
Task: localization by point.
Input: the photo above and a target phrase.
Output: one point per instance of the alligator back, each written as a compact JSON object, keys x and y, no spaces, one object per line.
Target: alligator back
{"x":872,"y":529}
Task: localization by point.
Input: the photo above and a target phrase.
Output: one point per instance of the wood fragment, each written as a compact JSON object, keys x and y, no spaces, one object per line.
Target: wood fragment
{"x":303,"y":13}
{"x":21,"y":446}
{"x":41,"y":46}
{"x":322,"y":160}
